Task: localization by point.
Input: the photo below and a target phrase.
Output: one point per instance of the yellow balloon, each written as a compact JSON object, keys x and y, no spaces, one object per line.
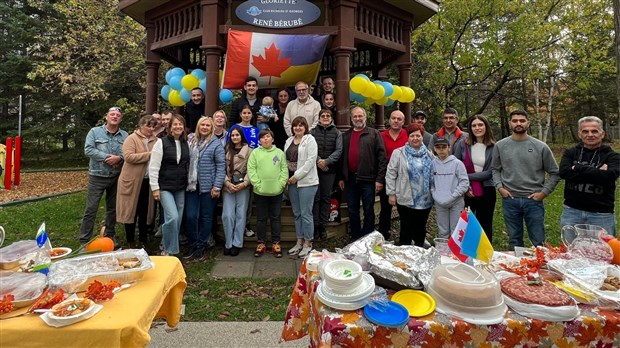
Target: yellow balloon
{"x":398,"y":92}
{"x":190,"y":82}
{"x":369,"y":92}
{"x":174,"y":98}
{"x":369,"y":101}
{"x":379,"y":92}
{"x":412,"y":95}
{"x":382,"y":101}
{"x":404,"y":96}
{"x":358,"y":85}
{"x":221,"y":75}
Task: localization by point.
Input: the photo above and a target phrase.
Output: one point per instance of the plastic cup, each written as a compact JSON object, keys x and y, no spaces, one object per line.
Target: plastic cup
{"x":441,"y":244}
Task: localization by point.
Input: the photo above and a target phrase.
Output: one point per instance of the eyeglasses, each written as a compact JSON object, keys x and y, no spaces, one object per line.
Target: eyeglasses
{"x":115,"y":108}
{"x":326,"y":115}
{"x":301,"y":90}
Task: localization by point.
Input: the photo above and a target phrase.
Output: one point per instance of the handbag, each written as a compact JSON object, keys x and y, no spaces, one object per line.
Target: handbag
{"x":237,"y":178}
{"x":476,"y":186}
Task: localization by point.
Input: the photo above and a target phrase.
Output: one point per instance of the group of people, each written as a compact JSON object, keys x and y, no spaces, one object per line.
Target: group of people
{"x":415,"y":170}
{"x":188,"y":170}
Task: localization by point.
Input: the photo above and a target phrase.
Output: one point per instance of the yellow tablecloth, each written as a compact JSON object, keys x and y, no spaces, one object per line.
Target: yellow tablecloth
{"x":124,"y":321}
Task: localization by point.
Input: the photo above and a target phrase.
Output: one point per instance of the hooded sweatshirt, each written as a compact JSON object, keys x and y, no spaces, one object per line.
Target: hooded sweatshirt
{"x":450,"y":181}
{"x":268,"y":171}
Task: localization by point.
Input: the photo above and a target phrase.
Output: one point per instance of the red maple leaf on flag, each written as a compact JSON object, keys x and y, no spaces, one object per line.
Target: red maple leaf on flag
{"x":271,"y":65}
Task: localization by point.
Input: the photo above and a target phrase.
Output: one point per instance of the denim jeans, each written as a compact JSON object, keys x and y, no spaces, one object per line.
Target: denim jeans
{"x":302,"y":200}
{"x":268,"y":207}
{"x":234,"y":211}
{"x":364,"y":191}
{"x":199,"y":211}
{"x":518,"y":209}
{"x":322,"y":199}
{"x":97,"y":185}
{"x":572,"y":216}
{"x":173,"y":203}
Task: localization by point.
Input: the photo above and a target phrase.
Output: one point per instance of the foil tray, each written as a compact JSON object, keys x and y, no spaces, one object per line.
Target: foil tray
{"x":75,"y":274}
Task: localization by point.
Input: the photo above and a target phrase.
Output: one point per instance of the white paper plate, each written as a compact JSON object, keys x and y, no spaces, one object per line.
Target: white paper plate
{"x":362,"y":291}
{"x":66,"y":252}
{"x":71,"y":317}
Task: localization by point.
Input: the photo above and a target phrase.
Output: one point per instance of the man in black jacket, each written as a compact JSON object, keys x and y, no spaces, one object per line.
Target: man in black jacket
{"x":249,"y":97}
{"x":590,"y":170}
{"x":364,"y":163}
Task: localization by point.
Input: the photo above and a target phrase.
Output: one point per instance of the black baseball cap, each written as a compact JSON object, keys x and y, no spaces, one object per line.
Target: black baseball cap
{"x":420,"y":113}
{"x":441,"y":141}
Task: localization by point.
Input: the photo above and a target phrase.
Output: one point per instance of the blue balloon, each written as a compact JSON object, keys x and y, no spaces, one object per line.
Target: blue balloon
{"x":175,"y":82}
{"x":389,"y":89}
{"x":356,"y":97}
{"x":165,"y":91}
{"x":186,"y":95}
{"x":390,"y":101}
{"x":363,"y":76}
{"x":203,"y":85}
{"x":226,"y":96}
{"x":199,"y":74}
{"x":174,"y":72}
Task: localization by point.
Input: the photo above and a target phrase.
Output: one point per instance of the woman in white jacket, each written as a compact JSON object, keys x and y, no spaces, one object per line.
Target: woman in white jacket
{"x":408,"y":185}
{"x":301,"y":153}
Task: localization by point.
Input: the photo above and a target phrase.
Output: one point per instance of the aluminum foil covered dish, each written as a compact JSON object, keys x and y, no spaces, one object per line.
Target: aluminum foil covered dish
{"x":123,"y":266}
{"x":408,"y":266}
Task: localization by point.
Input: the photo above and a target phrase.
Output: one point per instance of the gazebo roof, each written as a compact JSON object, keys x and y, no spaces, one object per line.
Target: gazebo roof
{"x":421,"y":10}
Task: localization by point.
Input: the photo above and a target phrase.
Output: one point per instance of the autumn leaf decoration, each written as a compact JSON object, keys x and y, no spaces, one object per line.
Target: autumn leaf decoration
{"x":271,"y":64}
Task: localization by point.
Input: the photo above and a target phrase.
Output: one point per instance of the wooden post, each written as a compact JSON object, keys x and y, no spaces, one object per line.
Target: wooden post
{"x":153,"y":61}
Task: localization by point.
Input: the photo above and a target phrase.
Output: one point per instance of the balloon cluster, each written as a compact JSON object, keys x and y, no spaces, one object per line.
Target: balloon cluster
{"x":362,"y":90}
{"x":178,"y":91}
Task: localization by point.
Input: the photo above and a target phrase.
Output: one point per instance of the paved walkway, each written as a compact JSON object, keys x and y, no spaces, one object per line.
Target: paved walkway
{"x":234,"y":334}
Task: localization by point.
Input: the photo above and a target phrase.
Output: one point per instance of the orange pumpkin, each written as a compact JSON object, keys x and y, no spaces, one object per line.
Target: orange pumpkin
{"x":101,"y":243}
{"x":615,"y":247}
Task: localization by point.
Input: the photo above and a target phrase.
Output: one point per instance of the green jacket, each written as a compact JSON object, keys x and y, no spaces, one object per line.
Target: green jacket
{"x":268,"y":171}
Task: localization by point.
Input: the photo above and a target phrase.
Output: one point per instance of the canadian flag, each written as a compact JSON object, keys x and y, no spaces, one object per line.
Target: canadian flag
{"x":456,"y":239}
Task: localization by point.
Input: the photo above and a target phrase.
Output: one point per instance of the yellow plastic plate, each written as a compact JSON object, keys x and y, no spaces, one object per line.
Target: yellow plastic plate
{"x":417,"y":302}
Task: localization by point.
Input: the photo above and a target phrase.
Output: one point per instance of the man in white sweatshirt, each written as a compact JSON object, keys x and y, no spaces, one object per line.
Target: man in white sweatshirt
{"x":304,"y":105}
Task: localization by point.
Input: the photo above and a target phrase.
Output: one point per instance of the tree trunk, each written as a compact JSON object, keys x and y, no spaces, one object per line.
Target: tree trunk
{"x":617,"y":30}
{"x":537,"y":107}
{"x":549,"y":108}
{"x":503,"y":116}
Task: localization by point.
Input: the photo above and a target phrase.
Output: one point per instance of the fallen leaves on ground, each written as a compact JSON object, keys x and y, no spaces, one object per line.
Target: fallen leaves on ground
{"x":39,"y":184}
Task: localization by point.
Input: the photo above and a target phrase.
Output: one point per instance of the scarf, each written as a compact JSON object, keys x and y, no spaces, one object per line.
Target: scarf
{"x":419,"y":163}
{"x":196,"y":147}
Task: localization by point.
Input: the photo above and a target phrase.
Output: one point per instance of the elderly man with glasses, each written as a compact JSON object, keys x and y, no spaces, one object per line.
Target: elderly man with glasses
{"x":104,"y":146}
{"x":304,"y":105}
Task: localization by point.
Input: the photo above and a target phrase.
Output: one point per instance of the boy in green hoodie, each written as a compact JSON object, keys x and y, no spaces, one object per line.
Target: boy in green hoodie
{"x":268,"y":173}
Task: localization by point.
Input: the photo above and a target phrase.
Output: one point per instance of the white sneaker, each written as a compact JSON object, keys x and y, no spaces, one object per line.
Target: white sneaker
{"x":165,"y":253}
{"x":249,"y":232}
{"x":295,"y":250}
{"x":305,"y":251}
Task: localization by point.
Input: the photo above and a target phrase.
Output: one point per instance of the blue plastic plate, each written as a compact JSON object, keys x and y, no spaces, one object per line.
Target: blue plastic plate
{"x":391,"y":315}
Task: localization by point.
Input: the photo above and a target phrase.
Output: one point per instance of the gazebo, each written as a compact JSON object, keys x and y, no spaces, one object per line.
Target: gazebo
{"x":365,"y":35}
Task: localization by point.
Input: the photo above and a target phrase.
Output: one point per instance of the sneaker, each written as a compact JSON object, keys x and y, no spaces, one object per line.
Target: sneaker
{"x":249,"y":232}
{"x":234,"y":251}
{"x":296,"y":249}
{"x":189,"y":253}
{"x":227,"y":251}
{"x":305,"y":251}
{"x":260,"y":250}
{"x":199,"y":255}
{"x":276,"y":250}
{"x":164,"y":253}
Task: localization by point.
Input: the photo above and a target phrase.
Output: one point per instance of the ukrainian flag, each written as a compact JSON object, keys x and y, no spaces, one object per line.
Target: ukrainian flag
{"x":276,"y":60}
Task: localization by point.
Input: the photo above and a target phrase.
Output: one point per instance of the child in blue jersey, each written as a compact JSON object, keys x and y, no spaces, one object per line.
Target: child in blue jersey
{"x":250,"y":132}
